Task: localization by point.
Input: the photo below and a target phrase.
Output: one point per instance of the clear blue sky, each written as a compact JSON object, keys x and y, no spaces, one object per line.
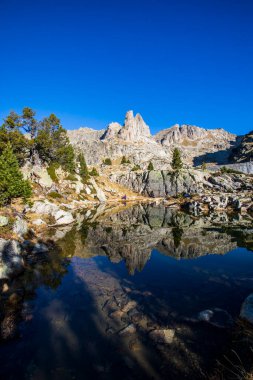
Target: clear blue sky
{"x":180,"y":61}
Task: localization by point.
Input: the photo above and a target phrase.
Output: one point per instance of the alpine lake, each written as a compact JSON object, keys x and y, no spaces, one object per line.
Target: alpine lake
{"x":132,"y":292}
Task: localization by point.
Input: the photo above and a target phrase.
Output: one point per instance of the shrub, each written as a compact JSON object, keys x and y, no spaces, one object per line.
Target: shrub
{"x":71,"y":177}
{"x":12,"y":183}
{"x":150,"y":166}
{"x":54,"y":194}
{"x":135,"y":168}
{"x":107,"y":161}
{"x":51,"y":171}
{"x":124,"y":161}
{"x":225,"y":170}
{"x":94,"y":172}
{"x":203,"y":166}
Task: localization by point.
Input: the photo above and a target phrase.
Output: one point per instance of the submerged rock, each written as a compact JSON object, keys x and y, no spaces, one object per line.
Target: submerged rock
{"x":164,"y":336}
{"x":247,"y":309}
{"x":130,"y":329}
{"x":216,"y":317}
{"x":40,"y":248}
{"x":11,"y":262}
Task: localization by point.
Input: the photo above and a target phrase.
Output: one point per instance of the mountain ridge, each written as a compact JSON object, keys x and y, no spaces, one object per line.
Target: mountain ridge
{"x":134,"y":140}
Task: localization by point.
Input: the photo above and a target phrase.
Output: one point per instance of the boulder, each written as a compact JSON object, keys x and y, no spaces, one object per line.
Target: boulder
{"x":79,"y":187}
{"x":99,"y":192}
{"x":38,"y":222}
{"x":20,"y":227}
{"x":11,"y":262}
{"x":63,"y":217}
{"x":3,"y":221}
{"x":88,"y":190}
{"x":37,"y":174}
{"x":247,"y":309}
{"x":44,"y":207}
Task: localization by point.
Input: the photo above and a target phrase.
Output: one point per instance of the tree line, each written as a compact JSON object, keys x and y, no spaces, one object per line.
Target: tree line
{"x":25,"y":138}
{"x":45,"y":138}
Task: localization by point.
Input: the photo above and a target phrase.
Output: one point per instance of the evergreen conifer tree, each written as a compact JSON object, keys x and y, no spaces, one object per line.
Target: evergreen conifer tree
{"x":83,"y":171}
{"x":12,"y":183}
{"x":176,"y":163}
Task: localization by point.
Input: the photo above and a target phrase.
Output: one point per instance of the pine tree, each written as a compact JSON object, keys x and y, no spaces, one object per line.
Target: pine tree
{"x":12,"y":184}
{"x":176,"y":163}
{"x":150,"y":166}
{"x":20,"y":145}
{"x":29,"y":123}
{"x":12,"y":122}
{"x":83,"y":171}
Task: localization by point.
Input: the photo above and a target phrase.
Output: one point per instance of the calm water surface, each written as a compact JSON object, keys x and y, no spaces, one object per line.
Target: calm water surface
{"x":88,"y":308}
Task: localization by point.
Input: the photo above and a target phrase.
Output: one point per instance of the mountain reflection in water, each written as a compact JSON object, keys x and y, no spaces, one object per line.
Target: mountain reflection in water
{"x":132,"y":233}
{"x":91,"y":307}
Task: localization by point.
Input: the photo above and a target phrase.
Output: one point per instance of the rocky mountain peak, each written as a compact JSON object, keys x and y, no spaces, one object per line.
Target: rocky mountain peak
{"x":111,"y":131}
{"x":134,"y":129}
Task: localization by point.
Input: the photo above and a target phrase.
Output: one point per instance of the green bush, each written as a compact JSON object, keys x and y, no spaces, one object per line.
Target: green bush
{"x":54,"y":194}
{"x":12,"y":183}
{"x":150,"y":166}
{"x":71,"y":177}
{"x":51,"y":171}
{"x":203,"y":166}
{"x":107,"y":161}
{"x":124,"y":161}
{"x":135,"y":168}
{"x":225,"y":170}
{"x":94,"y":172}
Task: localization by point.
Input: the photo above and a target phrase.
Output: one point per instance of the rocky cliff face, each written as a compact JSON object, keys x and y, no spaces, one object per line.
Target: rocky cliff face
{"x":134,"y":141}
{"x":163,"y":183}
{"x":244,"y":151}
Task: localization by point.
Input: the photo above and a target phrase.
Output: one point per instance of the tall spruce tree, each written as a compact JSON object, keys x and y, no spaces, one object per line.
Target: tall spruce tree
{"x":12,"y":183}
{"x":176,"y":163}
{"x":83,"y":171}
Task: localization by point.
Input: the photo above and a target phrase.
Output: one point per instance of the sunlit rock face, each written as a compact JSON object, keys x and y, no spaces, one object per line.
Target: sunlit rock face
{"x":134,"y":129}
{"x":134,"y":140}
{"x":163,"y":183}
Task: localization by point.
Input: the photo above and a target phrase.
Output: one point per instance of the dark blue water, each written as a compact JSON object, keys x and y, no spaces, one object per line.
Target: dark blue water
{"x":91,"y":317}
